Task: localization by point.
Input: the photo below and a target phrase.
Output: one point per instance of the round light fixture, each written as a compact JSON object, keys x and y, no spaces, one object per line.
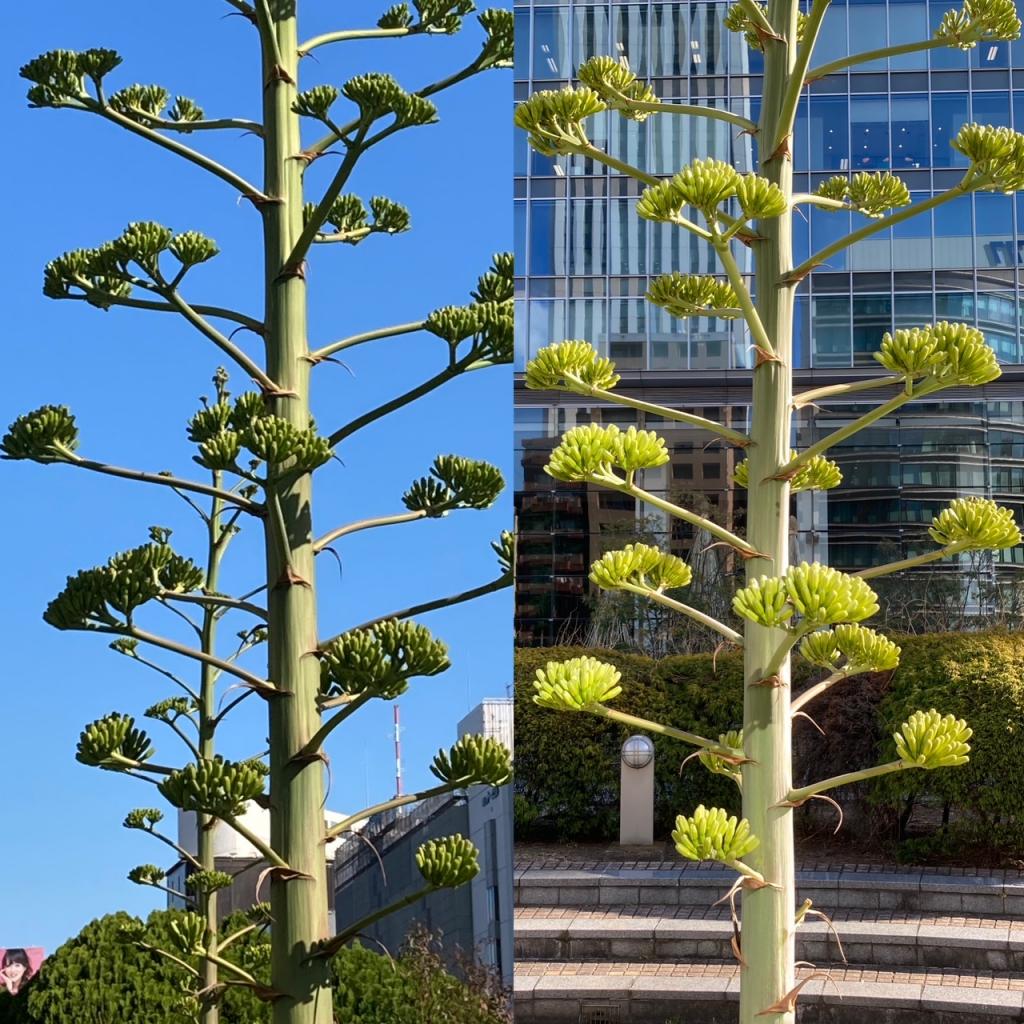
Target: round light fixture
{"x":637,"y":752}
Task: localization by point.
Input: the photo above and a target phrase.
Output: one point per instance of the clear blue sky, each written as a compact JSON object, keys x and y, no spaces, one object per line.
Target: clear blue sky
{"x":133,"y":378}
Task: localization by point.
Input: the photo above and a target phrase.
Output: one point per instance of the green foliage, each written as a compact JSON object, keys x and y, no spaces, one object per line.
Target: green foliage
{"x":930,"y":740}
{"x":113,"y":742}
{"x":591,"y":453}
{"x":870,"y":194}
{"x":940,"y":356}
{"x":640,"y":565}
{"x":378,"y":94}
{"x":613,"y":81}
{"x":977,"y":524}
{"x":380,"y":660}
{"x":819,"y":474}
{"x":553,"y":119}
{"x":505,"y":548}
{"x":979,"y":21}
{"x":862,"y":650}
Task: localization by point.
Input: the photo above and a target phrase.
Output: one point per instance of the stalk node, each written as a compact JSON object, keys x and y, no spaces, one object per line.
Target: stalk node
{"x":290,"y":578}
{"x":290,"y":270}
{"x":772,"y":682}
{"x":259,"y":200}
{"x":304,"y":757}
{"x":279,"y":74}
{"x":275,"y":392}
{"x":782,"y":151}
{"x":762,"y":356}
{"x":793,"y":278}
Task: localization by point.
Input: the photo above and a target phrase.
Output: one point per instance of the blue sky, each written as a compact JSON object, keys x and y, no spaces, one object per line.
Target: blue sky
{"x":133,"y":379}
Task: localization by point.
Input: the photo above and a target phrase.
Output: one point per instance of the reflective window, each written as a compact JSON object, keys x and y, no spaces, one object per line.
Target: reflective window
{"x":867,"y":31}
{"x":588,"y":237}
{"x":829,"y":226}
{"x":627,"y":332}
{"x":997,"y":318}
{"x":800,"y":134}
{"x":949,"y":113}
{"x":547,"y":324}
{"x":908,"y":23}
{"x":833,"y":38}
{"x":869,"y":132}
{"x":990,"y":107}
{"x":590,"y":34}
{"x":550,"y":43}
{"x":912,"y":239}
{"x":519,"y":233}
{"x":628,"y":141}
{"x":830,"y":328}
{"x":993,"y":226}
{"x":521,"y":68}
{"x":708,"y":40}
{"x":986,"y":56}
{"x":912,"y":311}
{"x":585,"y":318}
{"x":943,"y":58}
{"x":630,"y":36}
{"x":872,"y":317}
{"x":829,"y":120}
{"x":801,"y":331}
{"x":669,"y":46}
{"x":547,"y":237}
{"x":954,"y":246}
{"x":910,"y":134}
{"x":628,"y":253}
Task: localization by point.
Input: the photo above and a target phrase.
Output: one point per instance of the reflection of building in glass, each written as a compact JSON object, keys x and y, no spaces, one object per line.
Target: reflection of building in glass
{"x":585,"y":260}
{"x":378,"y":867}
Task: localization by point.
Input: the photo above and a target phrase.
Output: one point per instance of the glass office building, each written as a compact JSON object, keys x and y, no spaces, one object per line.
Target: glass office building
{"x":585,"y":260}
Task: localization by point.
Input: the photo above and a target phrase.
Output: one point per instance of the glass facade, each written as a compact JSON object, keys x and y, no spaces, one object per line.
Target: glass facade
{"x":585,"y":259}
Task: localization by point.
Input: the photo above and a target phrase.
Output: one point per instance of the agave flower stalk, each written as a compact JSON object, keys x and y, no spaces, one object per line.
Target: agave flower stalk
{"x":262,"y":449}
{"x":781,"y":605}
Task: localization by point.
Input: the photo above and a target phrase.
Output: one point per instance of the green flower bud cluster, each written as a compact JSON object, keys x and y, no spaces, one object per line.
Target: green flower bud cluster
{"x":378,"y":94}
{"x":316,"y":102}
{"x":447,"y":862}
{"x":434,"y":16}
{"x":128,"y":580}
{"x":499,"y":36}
{"x":570,"y":366}
{"x":979,"y":21}
{"x":818,"y":593}
{"x":171,"y":709}
{"x":576,"y":684}
{"x":505,"y":548}
{"x":456,"y":482}
{"x":147,"y":874}
{"x":380,"y":660}
{"x":496,"y":284}
{"x":185,"y":111}
{"x":863,"y":648}
{"x":47,"y":434}
{"x":591,"y":452}
{"x":59,"y":74}
{"x":214,"y":786}
{"x":191,"y":248}
{"x":188,"y":930}
{"x":140,"y":102}
{"x":683,"y":295}
{"x":711,"y":834}
{"x":945,"y":355}
{"x":975,"y":524}
{"x":143,"y":818}
{"x":553,"y":119}
{"x":92,"y":271}
{"x":474,"y":760}
{"x":617,"y":85}
{"x":996,"y":155}
{"x":276,"y":441}
{"x":819,"y":474}
{"x":113,"y":743}
{"x":870,"y":194}
{"x":716,"y":764}
{"x":706,"y":184}
{"x":738,"y":20}
{"x":640,"y":565}
{"x":930,"y":740}
{"x":219,"y":429}
{"x":206,"y":882}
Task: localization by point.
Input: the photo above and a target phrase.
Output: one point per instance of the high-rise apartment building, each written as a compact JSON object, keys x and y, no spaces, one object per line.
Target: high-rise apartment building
{"x":585,"y":260}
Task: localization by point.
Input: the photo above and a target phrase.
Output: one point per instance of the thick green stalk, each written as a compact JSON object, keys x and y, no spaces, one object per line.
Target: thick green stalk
{"x":298,"y":903}
{"x":768,"y":930}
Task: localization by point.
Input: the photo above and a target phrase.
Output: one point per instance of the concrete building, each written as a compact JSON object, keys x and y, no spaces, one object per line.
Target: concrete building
{"x":585,"y":261}
{"x":476,"y":918}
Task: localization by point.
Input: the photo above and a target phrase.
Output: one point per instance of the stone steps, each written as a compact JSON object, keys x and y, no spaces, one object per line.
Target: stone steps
{"x":563,"y":933}
{"x":643,"y":993}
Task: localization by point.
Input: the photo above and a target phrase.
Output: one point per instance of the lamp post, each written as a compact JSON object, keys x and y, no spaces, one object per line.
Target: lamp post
{"x":636,"y":792}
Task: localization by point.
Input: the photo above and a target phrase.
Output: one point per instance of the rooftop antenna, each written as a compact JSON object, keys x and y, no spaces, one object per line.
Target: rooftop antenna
{"x":398,"y":753}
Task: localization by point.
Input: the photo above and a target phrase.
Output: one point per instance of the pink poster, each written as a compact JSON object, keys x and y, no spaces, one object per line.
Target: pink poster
{"x":17,"y":965}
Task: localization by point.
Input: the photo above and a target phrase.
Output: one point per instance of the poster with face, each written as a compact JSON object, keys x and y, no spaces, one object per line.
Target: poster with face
{"x":17,"y":965}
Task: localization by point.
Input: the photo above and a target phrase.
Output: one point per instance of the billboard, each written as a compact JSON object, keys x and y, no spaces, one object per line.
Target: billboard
{"x":17,"y":965}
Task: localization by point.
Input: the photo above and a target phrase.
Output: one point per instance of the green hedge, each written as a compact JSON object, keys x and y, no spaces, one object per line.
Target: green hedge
{"x":567,"y":765}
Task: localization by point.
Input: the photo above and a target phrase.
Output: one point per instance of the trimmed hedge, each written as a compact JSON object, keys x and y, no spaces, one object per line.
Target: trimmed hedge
{"x":567,"y":765}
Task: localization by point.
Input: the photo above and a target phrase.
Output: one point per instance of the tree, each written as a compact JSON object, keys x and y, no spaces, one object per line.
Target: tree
{"x":98,"y":977}
{"x":782,"y":605}
{"x":261,"y":449}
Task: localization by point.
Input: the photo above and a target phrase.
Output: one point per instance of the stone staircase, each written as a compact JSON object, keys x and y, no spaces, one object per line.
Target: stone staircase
{"x":642,"y":942}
